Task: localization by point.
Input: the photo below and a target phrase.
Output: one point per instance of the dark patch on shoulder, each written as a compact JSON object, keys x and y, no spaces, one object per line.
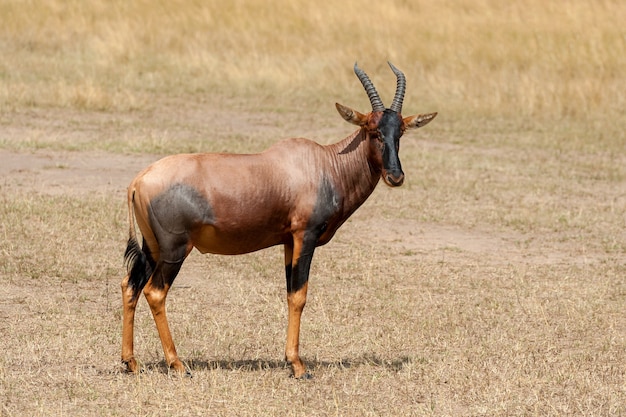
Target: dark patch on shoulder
{"x":327,"y":205}
{"x":180,"y":208}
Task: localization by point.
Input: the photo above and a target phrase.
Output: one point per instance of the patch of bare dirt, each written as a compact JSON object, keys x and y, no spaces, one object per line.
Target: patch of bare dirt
{"x":55,"y":173}
{"x":63,"y":172}
{"x":446,"y":243}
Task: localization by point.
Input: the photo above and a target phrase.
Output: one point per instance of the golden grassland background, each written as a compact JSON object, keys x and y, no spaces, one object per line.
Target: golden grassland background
{"x":492,"y":283}
{"x":515,"y":60}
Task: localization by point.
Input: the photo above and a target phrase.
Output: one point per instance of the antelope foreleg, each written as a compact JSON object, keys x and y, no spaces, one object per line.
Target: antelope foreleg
{"x":297,"y":264}
{"x":295,"y":302}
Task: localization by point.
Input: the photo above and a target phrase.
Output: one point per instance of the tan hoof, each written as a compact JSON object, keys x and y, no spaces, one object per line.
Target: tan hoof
{"x":299,"y":370}
{"x":131,"y":365}
{"x":304,"y":377}
{"x":177,"y":367}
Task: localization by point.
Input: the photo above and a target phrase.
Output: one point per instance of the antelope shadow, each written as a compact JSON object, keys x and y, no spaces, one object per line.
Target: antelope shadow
{"x":260,"y":364}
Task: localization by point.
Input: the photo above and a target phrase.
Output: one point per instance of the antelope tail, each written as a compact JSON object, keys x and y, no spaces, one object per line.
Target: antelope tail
{"x":137,"y":265}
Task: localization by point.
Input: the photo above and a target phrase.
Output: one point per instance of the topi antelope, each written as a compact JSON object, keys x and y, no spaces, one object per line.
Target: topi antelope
{"x":295,"y":194}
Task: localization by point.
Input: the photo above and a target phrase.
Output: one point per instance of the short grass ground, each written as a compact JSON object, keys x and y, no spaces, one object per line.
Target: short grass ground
{"x":492,"y":283}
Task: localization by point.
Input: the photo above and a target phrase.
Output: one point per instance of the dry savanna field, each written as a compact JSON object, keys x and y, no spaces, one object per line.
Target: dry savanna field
{"x":492,"y":283}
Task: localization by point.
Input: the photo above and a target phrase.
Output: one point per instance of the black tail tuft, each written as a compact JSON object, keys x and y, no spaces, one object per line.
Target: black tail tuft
{"x":137,"y":265}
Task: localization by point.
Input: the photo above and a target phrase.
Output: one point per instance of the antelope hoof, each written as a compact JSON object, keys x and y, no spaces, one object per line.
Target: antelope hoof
{"x":300,"y":372}
{"x":304,"y":377}
{"x":177,"y":367}
{"x":181,"y":374}
{"x":131,"y":365}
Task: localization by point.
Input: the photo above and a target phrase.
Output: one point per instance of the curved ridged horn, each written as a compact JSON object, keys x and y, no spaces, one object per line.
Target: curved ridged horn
{"x":396,"y":105}
{"x":377,"y":104}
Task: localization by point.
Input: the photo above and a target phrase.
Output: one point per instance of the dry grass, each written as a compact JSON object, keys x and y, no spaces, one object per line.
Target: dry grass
{"x":530,"y":59}
{"x":443,"y":330}
{"x":492,"y":283}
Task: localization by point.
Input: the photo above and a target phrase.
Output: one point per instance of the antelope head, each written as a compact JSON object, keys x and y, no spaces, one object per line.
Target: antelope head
{"x":385,"y":127}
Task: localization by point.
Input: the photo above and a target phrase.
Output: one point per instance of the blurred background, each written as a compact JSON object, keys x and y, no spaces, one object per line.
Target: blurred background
{"x":515,"y":63}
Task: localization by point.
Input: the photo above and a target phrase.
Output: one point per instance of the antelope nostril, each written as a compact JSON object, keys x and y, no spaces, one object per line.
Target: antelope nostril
{"x":394,"y":180}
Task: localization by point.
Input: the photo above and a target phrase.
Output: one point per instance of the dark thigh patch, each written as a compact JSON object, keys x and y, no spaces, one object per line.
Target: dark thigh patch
{"x":178,"y":209}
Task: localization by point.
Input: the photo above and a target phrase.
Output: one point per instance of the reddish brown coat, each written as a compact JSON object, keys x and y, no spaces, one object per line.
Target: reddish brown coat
{"x":297,"y":193}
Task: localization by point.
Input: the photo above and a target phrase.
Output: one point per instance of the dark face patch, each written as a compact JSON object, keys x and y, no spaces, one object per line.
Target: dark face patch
{"x":390,"y":131}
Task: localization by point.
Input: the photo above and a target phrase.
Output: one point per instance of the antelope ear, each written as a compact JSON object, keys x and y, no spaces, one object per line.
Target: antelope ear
{"x":351,"y":116}
{"x":419,"y":120}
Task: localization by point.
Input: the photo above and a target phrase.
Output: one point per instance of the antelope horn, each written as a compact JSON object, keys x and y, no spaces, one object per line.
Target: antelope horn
{"x":396,"y":105}
{"x":377,"y":104}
